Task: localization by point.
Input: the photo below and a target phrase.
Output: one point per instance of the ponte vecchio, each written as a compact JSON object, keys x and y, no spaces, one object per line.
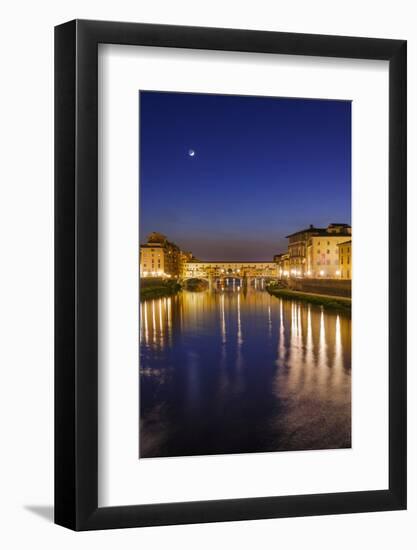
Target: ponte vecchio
{"x":229,"y":270}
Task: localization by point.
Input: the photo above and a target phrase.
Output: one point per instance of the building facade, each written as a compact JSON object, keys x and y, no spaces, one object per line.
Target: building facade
{"x":159,"y":257}
{"x":345,"y":259}
{"x":323,"y":256}
{"x":283,"y":263}
{"x":297,"y":250}
{"x":313,"y":252}
{"x":185,"y":258}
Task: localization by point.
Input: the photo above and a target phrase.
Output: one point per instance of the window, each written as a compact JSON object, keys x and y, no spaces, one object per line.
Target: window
{"x":348,"y":259}
{"x":328,"y":252}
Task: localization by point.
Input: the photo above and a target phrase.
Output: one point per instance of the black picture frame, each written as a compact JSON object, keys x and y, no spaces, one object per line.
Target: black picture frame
{"x":76,"y":272}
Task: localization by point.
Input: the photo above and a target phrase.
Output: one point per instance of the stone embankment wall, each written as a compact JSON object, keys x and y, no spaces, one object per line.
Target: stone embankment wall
{"x":332,"y":287}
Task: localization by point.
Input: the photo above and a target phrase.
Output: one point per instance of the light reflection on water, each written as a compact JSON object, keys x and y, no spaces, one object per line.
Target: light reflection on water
{"x":234,"y":370}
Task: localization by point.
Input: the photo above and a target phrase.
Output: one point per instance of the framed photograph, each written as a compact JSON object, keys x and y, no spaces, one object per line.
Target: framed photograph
{"x":230,"y":247}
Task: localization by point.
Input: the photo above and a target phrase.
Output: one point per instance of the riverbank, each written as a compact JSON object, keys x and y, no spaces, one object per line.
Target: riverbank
{"x":326,"y":301}
{"x":158,"y":288}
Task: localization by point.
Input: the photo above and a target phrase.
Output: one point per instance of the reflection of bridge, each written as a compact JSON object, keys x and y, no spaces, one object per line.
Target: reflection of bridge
{"x":246,"y":271}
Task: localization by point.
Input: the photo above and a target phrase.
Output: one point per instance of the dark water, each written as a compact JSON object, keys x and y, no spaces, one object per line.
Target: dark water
{"x":235,"y":370}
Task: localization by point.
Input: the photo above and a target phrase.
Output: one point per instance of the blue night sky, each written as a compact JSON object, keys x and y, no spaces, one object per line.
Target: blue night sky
{"x":263,"y":168}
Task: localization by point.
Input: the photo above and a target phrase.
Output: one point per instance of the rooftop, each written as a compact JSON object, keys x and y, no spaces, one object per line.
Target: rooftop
{"x":321,"y":230}
{"x":152,"y":245}
{"x":310,"y":229}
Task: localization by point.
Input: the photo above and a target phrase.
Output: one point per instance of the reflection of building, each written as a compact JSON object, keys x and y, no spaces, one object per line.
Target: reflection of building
{"x":313,"y":252}
{"x":197,"y":269}
{"x":159,"y":257}
{"x":345,"y":259}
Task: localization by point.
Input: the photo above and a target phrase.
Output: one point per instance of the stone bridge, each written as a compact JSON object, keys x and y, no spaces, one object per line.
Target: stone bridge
{"x":244,"y":271}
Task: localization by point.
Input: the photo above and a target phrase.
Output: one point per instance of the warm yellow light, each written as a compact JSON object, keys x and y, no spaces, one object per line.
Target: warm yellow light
{"x":321,"y":273}
{"x":337,"y":272}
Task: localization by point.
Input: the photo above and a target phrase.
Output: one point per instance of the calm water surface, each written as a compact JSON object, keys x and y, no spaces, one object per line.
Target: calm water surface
{"x":235,"y":370}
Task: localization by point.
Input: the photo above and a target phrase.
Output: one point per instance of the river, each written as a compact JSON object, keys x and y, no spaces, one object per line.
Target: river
{"x":235,"y":370}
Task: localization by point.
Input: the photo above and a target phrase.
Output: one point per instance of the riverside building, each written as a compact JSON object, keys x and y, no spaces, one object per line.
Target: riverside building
{"x":159,"y":257}
{"x":323,"y":256}
{"x":345,"y":259}
{"x":283,"y":262}
{"x":314,"y":252}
